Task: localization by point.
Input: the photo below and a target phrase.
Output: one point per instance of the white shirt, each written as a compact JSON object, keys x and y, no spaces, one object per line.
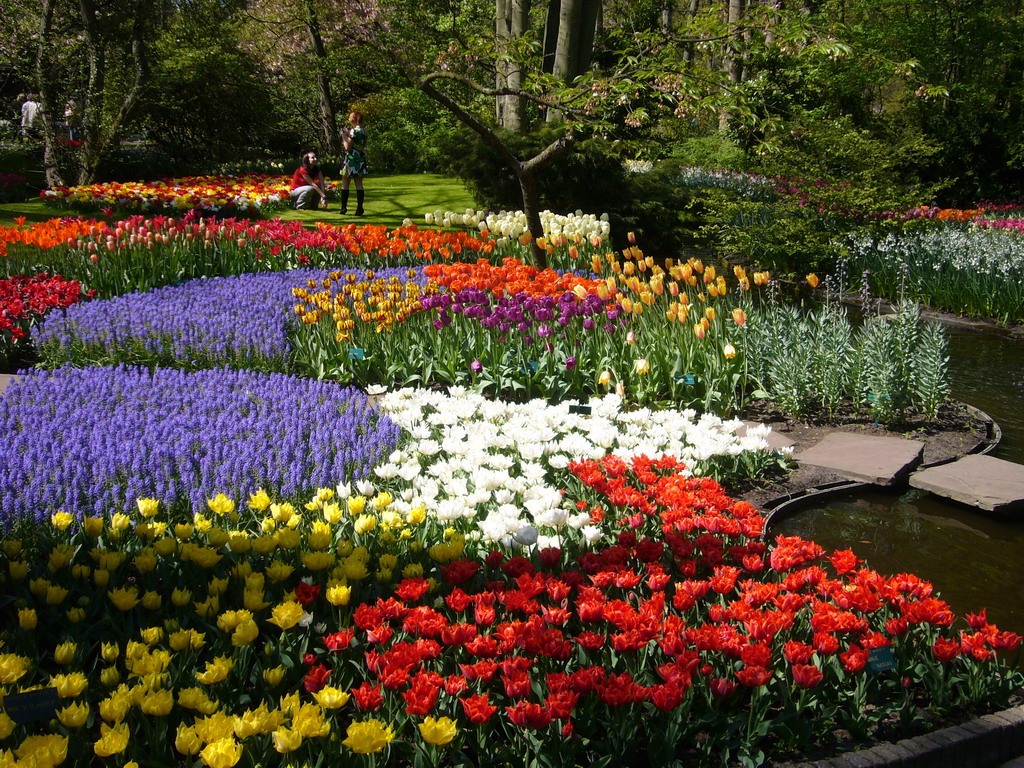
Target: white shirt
{"x":28,"y":113}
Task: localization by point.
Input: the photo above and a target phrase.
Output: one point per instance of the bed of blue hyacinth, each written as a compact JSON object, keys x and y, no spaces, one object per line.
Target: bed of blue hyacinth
{"x":209,"y":560}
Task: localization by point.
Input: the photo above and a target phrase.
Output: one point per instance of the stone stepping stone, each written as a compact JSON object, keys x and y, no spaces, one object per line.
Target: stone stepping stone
{"x":6,"y":379}
{"x":865,"y":458}
{"x":985,"y":482}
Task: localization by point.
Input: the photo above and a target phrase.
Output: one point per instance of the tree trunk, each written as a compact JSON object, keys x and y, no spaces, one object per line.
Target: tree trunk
{"x":47,"y":97}
{"x":531,"y":207}
{"x":733,"y":56}
{"x":567,"y":40}
{"x":734,"y":63}
{"x":511,"y":23}
{"x":688,"y":51}
{"x":574,"y":42}
{"x":769,"y":35}
{"x":99,"y":130}
{"x":92,"y":106}
{"x":328,"y":115}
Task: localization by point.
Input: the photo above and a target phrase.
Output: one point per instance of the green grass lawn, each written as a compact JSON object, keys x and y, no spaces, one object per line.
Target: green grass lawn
{"x":389,"y":199}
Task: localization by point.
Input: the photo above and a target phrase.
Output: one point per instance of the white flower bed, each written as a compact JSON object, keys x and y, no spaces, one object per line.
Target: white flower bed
{"x":494,"y":464}
{"x":511,"y":224}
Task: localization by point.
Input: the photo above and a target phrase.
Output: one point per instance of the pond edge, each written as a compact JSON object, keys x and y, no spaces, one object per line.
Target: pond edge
{"x":787,"y":505}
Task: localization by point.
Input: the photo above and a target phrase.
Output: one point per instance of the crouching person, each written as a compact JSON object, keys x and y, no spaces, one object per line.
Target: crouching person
{"x":308,"y":187}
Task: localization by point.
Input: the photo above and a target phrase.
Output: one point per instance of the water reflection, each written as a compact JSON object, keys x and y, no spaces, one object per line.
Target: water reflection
{"x":974,"y":560}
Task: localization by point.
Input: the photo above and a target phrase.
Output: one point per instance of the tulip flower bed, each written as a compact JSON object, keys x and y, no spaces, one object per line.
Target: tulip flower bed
{"x":138,"y":253}
{"x":251,"y":193}
{"x":23,"y":302}
{"x":90,"y":440}
{"x":40,"y":236}
{"x":358,"y":627}
{"x":513,"y":331}
{"x":240,"y":321}
{"x":580,"y":231}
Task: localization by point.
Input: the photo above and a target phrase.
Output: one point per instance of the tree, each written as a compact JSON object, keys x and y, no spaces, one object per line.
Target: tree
{"x":92,"y":53}
{"x":208,"y":97}
{"x":299,"y":38}
{"x":467,"y":61}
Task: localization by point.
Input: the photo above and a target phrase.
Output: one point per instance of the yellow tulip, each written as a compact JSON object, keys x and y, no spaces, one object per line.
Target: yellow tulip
{"x":119,"y":523}
{"x":148,"y":507}
{"x":286,"y":740}
{"x":338,"y":593}
{"x":223,"y":753}
{"x":61,"y":520}
{"x":42,"y":751}
{"x":110,"y":677}
{"x":157,"y":703}
{"x":73,"y":715}
{"x":113,"y":739}
{"x":27,"y":618}
{"x":221,"y":505}
{"x":365,"y":523}
{"x":245,"y":633}
{"x":330,"y":697}
{"x":124,"y":598}
{"x":259,"y":501}
{"x":273,"y":676}
{"x":438,"y":731}
{"x":186,"y":740}
{"x":64,"y":653}
{"x":286,"y":615}
{"x":368,"y":736}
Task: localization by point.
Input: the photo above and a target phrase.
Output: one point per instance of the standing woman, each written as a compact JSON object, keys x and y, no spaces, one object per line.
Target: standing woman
{"x":354,"y":138}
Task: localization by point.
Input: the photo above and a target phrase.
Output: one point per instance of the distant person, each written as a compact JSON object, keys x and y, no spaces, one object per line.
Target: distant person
{"x":30,"y":116}
{"x":354,"y":139}
{"x":71,"y":119}
{"x":309,"y":190}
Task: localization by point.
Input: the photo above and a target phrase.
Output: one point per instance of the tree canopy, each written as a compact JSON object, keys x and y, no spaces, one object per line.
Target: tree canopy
{"x":941,"y":84}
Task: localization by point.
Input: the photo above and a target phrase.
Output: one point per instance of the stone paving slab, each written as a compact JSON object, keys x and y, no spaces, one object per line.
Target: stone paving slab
{"x":985,"y":482}
{"x":5,"y":380}
{"x":865,"y":458}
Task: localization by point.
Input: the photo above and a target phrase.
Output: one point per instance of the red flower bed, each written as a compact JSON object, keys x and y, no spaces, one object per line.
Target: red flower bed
{"x":688,"y":630}
{"x":24,"y":299}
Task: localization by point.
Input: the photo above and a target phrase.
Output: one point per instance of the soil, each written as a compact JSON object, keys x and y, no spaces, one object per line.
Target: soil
{"x":956,"y":431}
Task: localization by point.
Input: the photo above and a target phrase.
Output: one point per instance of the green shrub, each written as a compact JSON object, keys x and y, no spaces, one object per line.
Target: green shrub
{"x":832,"y":179}
{"x":406,"y":131}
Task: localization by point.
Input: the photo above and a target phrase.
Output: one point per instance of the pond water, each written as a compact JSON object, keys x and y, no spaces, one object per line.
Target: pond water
{"x":973,"y":560}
